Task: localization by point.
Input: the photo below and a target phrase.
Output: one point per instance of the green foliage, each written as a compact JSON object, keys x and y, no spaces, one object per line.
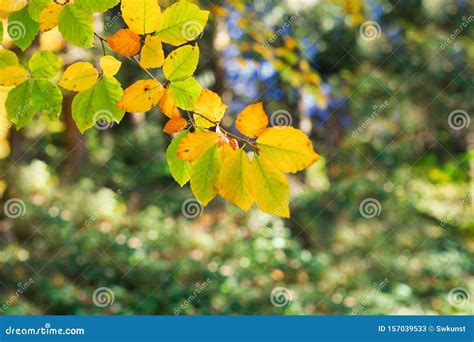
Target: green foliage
{"x":22,"y":28}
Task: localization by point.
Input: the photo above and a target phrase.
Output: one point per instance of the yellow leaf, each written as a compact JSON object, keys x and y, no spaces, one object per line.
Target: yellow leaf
{"x":252,"y":121}
{"x":141,"y":16}
{"x":234,"y":179}
{"x":269,"y":187}
{"x":287,"y":148}
{"x":12,"y":5}
{"x":12,"y":75}
{"x":168,"y":106}
{"x":152,"y":55}
{"x":141,"y":96}
{"x":49,"y":17}
{"x":175,"y":125}
{"x":210,"y":108}
{"x":110,"y":65}
{"x":125,"y":43}
{"x":79,"y":76}
{"x":205,"y":175}
{"x":195,"y":144}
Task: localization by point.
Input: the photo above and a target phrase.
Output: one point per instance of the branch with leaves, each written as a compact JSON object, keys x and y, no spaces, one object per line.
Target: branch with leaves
{"x":242,"y":168}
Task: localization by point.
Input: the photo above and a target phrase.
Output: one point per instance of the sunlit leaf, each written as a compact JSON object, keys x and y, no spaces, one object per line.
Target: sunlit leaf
{"x":252,"y":121}
{"x":77,"y":26}
{"x":141,"y":96}
{"x":288,"y":149}
{"x":110,"y":65}
{"x":181,"y":63}
{"x":49,"y":17}
{"x":96,"y":6}
{"x":8,"y":58}
{"x":12,"y":5}
{"x":12,"y":76}
{"x":46,"y":98}
{"x":269,"y":187}
{"x":195,"y":144}
{"x":234,"y":178}
{"x":205,"y":175}
{"x":185,"y":93}
{"x":98,"y":103}
{"x":175,"y":125}
{"x":168,"y":106}
{"x":125,"y":42}
{"x":179,"y":168}
{"x":209,"y":108}
{"x":181,"y":22}
{"x":141,"y":16}
{"x":18,"y":104}
{"x":79,"y":76}
{"x":152,"y":55}
{"x":44,"y":64}
{"x":35,"y":7}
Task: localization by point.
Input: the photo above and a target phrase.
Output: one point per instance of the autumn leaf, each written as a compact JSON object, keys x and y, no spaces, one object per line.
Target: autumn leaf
{"x":195,"y":144}
{"x":205,"y":175}
{"x":12,"y":76}
{"x":110,"y":65}
{"x":12,"y":5}
{"x":152,"y":55}
{"x":125,"y":43}
{"x":287,"y":148}
{"x":168,"y":106}
{"x":49,"y":17}
{"x":175,"y":125}
{"x":141,"y":16}
{"x":141,"y":96}
{"x":209,"y":109}
{"x":79,"y":76}
{"x":252,"y":121}
{"x":181,"y":63}
{"x":234,"y":179}
{"x":180,"y":169}
{"x":185,"y":93}
{"x":269,"y":187}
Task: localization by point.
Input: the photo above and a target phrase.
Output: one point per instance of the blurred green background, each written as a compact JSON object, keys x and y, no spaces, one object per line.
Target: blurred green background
{"x":384,"y":224}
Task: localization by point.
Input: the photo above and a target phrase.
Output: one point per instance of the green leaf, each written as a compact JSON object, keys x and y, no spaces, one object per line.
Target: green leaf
{"x":180,"y":169}
{"x":8,"y":58}
{"x":98,"y":102}
{"x":1,"y":29}
{"x":96,"y":6}
{"x":181,"y":63}
{"x":44,"y":64}
{"x":46,"y":98}
{"x":31,"y":97}
{"x":19,"y":107}
{"x":182,"y":22}
{"x":77,"y":26}
{"x":36,"y":7}
{"x":205,"y":175}
{"x":22,"y":29}
{"x":185,"y":93}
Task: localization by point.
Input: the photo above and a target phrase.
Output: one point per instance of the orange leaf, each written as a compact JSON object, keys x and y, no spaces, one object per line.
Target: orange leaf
{"x":125,"y":42}
{"x":252,"y":121}
{"x":195,"y":144}
{"x":175,"y":125}
{"x":168,"y":106}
